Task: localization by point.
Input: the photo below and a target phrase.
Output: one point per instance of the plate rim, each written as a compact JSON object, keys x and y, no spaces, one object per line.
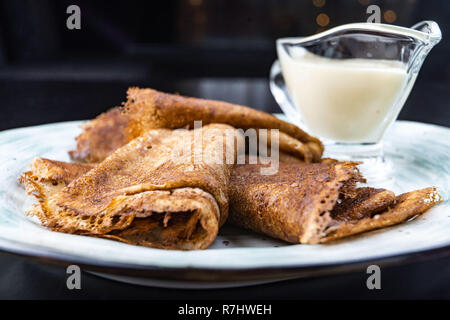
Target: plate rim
{"x":216,"y":273}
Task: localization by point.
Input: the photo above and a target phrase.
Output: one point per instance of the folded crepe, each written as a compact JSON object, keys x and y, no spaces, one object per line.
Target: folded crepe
{"x":303,"y":203}
{"x":147,"y":109}
{"x":160,"y":190}
{"x":316,"y":203}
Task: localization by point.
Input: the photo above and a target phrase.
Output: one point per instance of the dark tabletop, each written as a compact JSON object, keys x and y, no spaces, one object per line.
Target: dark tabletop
{"x":21,"y":278}
{"x":28,"y":100}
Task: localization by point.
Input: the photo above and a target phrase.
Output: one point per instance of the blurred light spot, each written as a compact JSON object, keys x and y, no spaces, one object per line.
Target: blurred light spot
{"x":364,"y":2}
{"x":390,"y":16}
{"x":323,"y":19}
{"x":195,"y":2}
{"x":319,"y":3}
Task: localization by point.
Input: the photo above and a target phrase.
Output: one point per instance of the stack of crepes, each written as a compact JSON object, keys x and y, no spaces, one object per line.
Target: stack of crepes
{"x":148,"y":178}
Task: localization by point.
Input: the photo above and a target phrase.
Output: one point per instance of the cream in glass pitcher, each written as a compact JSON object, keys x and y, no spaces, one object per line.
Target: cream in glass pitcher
{"x":343,"y":100}
{"x":348,"y":84}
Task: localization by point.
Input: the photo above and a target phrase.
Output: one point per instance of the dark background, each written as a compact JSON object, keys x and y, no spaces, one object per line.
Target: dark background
{"x":219,"y":49}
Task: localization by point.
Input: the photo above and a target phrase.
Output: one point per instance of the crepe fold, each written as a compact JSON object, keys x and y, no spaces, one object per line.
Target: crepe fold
{"x":147,"y":109}
{"x":160,"y":190}
{"x":316,"y":203}
{"x":303,"y":203}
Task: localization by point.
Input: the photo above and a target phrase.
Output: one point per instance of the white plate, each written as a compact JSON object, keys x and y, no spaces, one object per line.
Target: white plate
{"x":419,"y":152}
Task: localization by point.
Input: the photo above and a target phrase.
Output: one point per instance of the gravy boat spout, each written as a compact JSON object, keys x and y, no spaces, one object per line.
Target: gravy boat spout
{"x":371,"y":41}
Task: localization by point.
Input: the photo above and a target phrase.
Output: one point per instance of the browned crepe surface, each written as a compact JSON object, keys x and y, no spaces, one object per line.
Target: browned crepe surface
{"x":47,"y":177}
{"x":303,"y":203}
{"x":314,"y":203}
{"x":150,"y":109}
{"x":101,"y":136}
{"x":145,"y":193}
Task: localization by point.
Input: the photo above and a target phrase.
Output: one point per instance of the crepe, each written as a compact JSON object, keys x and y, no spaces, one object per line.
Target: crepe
{"x":316,"y":203}
{"x":47,"y":177}
{"x":147,"y":109}
{"x":160,"y":190}
{"x":101,"y":136}
{"x":303,"y":203}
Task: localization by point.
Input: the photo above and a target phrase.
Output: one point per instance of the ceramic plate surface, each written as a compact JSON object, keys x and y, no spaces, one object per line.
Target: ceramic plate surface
{"x":419,"y":153}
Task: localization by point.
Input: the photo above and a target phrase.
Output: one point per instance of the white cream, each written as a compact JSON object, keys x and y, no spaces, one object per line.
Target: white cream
{"x":349,"y":100}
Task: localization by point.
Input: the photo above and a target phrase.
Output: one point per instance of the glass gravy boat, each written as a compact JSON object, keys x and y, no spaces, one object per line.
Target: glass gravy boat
{"x":347,"y":85}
